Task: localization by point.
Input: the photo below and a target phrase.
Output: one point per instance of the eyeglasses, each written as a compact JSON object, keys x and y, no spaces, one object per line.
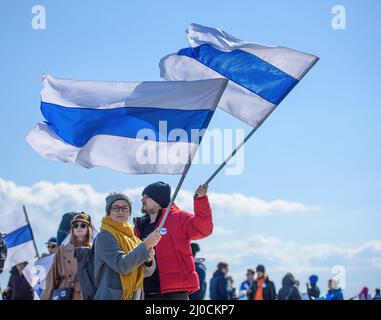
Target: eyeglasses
{"x":82,"y":225}
{"x":117,"y":209}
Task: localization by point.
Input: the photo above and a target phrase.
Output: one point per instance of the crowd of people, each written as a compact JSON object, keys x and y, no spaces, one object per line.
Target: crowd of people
{"x":126,"y":261}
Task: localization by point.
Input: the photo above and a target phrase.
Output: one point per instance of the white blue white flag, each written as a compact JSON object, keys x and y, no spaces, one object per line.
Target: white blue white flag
{"x":260,"y":77}
{"x":35,"y":273}
{"x":133,"y":127}
{"x":19,"y":238}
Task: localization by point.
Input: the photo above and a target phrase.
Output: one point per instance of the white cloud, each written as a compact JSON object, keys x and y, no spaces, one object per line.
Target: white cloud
{"x":221,"y":231}
{"x":46,"y":202}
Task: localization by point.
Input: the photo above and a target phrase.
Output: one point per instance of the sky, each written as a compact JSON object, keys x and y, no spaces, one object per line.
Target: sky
{"x":307,"y":199}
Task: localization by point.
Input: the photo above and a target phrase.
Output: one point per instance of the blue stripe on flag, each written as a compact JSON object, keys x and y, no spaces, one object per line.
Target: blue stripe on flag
{"x":19,"y":236}
{"x":77,"y":126}
{"x":245,"y":69}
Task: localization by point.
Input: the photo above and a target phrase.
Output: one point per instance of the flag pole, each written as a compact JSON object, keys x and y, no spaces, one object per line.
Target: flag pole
{"x":206,"y":124}
{"x":174,"y":195}
{"x":223,"y":164}
{"x":34,"y":241}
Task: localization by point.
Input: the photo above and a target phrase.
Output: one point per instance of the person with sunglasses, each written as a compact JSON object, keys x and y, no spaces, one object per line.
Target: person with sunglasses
{"x":62,"y":282}
{"x":121,"y":260}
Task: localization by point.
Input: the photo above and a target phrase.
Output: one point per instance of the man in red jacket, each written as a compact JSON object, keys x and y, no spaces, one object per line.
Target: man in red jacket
{"x":175,"y":276}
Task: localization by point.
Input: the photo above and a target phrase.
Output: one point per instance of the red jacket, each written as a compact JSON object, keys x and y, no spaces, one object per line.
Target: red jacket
{"x":173,"y":253}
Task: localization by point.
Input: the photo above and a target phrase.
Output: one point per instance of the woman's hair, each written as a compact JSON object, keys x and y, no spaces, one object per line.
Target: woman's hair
{"x":85,"y":218}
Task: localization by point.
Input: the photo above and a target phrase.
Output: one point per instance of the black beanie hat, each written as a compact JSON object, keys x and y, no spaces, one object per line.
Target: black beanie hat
{"x":261,"y":268}
{"x":160,"y":192}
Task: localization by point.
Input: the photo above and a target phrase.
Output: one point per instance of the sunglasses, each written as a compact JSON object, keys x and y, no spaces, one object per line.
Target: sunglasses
{"x":51,"y":246}
{"x":82,"y":225}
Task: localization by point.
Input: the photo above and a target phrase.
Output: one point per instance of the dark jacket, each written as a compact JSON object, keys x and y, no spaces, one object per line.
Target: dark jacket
{"x":377,"y":297}
{"x":269,"y":292}
{"x":20,"y":287}
{"x":288,"y":290}
{"x":85,"y":272}
{"x":218,"y":286}
{"x":313,"y":292}
{"x":201,"y":271}
{"x":3,"y":253}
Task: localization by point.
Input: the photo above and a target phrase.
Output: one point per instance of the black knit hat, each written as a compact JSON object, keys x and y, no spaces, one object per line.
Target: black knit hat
{"x":261,"y":268}
{"x":160,"y":192}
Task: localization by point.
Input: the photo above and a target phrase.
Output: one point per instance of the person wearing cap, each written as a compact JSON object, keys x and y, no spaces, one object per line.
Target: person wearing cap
{"x":121,"y":259}
{"x":262,"y":288}
{"x":63,"y":273}
{"x":51,"y":245}
{"x":175,"y":277}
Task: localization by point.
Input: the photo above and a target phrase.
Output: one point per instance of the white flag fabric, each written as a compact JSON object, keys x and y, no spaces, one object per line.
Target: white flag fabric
{"x":35,"y":273}
{"x":260,"y":77}
{"x":133,"y":127}
{"x":19,"y":238}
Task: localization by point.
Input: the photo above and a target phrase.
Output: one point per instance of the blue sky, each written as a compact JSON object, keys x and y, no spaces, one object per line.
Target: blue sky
{"x":320,"y":148}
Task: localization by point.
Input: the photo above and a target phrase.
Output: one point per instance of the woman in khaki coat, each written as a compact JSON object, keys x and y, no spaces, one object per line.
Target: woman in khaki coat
{"x":63,"y":273}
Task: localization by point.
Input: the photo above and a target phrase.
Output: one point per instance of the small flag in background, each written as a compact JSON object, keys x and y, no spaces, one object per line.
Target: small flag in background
{"x":96,"y":123}
{"x":35,"y":273}
{"x":260,"y":77}
{"x":19,"y":238}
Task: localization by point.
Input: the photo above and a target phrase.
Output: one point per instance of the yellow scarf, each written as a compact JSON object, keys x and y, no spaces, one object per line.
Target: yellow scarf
{"x":124,"y":235}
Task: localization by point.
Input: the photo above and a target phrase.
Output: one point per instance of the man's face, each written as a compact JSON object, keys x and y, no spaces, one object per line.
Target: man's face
{"x":260,"y":274}
{"x":225,"y":270}
{"x":149,"y":206}
{"x":52,"y":248}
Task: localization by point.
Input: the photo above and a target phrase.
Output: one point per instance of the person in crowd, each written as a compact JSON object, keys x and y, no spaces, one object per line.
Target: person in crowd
{"x":51,"y":245}
{"x":289,"y":290}
{"x":64,"y":227}
{"x":219,"y":284}
{"x":18,"y":287}
{"x":334,"y":291}
{"x":313,"y":290}
{"x":377,"y":295}
{"x":121,"y":259}
{"x":175,"y":277}
{"x":232,"y":292}
{"x":363,"y":294}
{"x":62,"y":281}
{"x":263,"y":288}
{"x":248,"y":283}
{"x":201,"y":272}
{"x":3,"y":251}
